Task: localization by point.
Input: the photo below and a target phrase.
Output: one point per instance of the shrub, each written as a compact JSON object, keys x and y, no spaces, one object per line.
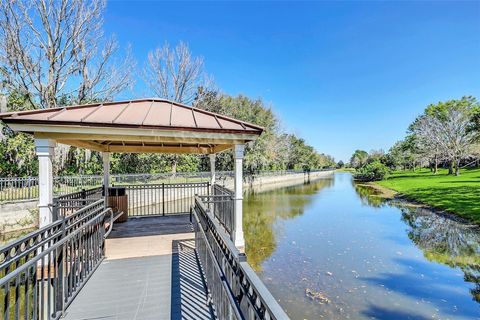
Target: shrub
{"x":373,"y":171}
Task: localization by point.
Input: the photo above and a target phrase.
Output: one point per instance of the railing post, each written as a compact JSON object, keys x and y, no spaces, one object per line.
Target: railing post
{"x":163,"y":199}
{"x":106,"y":174}
{"x":60,"y":286}
{"x":212,"y":169}
{"x":28,"y":188}
{"x":83,"y":197}
{"x":55,"y":215}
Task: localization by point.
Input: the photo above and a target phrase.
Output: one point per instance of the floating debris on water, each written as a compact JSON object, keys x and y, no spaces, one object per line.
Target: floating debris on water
{"x":316,"y":296}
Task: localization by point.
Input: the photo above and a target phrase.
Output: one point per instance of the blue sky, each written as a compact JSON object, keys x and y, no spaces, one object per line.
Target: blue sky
{"x":342,"y":75}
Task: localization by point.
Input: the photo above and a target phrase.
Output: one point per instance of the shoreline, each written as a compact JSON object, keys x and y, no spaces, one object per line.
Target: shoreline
{"x":390,"y":194}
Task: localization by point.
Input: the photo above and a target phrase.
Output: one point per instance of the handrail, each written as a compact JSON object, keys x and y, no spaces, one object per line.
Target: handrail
{"x":253,"y":298}
{"x":235,"y":309}
{"x":221,"y":203}
{"x":68,"y":203}
{"x":28,"y":244}
{"x":110,"y":225}
{"x":51,"y":271}
{"x":162,"y":198}
{"x":50,"y":249}
{"x":222,"y":190}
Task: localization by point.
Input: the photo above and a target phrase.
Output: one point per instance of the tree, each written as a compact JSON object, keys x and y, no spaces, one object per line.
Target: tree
{"x":54,"y":49}
{"x":448,"y":127}
{"x":405,"y":153}
{"x":372,"y":171}
{"x":424,"y":130}
{"x":274,"y":149}
{"x":375,"y":155}
{"x":358,"y":159}
{"x":476,"y":121}
{"x":174,"y":74}
{"x":17,"y":154}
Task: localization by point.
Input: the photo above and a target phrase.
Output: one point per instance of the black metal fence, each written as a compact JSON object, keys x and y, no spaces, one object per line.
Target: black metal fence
{"x":41,"y":273}
{"x":164,"y":198}
{"x":68,"y":203}
{"x":143,"y":200}
{"x":221,"y":204}
{"x":25,"y":188}
{"x":235,"y":290}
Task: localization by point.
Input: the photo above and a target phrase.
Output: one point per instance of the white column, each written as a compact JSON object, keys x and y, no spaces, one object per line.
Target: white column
{"x":212,"y":169}
{"x":106,"y":174}
{"x":238,"y":233}
{"x":45,"y":149}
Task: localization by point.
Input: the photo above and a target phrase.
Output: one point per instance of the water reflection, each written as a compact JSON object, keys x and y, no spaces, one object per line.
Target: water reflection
{"x":264,"y":209}
{"x":367,"y":256}
{"x":445,"y":241}
{"x":368,"y":195}
{"x":441,"y":238}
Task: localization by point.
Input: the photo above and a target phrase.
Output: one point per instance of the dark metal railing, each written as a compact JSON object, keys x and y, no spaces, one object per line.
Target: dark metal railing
{"x":26,"y":188}
{"x":235,"y":290}
{"x":143,"y":200}
{"x":221,"y":204}
{"x":42,"y":272}
{"x":164,"y":198}
{"x":67,"y":204}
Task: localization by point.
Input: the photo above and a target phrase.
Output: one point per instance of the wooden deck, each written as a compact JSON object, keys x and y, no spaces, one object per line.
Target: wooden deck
{"x":150,"y":272}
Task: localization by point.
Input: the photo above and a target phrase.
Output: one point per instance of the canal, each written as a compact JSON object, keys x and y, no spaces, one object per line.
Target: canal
{"x":335,"y":250}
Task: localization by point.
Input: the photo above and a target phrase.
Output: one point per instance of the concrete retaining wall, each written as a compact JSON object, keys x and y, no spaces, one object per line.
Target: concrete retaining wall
{"x":266,"y":183}
{"x":16,"y":216}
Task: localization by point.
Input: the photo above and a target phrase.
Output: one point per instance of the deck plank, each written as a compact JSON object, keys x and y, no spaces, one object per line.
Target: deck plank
{"x":158,"y":283}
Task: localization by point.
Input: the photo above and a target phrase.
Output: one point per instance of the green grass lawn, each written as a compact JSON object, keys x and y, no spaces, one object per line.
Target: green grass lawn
{"x":459,"y":195}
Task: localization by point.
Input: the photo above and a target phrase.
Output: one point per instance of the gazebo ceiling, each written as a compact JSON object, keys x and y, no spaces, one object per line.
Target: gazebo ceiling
{"x":145,"y":125}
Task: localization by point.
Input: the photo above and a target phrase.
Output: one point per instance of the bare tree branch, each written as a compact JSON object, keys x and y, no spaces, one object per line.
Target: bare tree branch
{"x":56,"y":48}
{"x":447,"y":137}
{"x":174,"y":74}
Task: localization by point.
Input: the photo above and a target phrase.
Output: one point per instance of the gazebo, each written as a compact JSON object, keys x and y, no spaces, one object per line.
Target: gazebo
{"x":77,"y":264}
{"x":140,"y":126}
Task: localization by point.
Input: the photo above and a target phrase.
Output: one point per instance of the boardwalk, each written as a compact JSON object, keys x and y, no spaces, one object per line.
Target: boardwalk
{"x":151,"y":269}
{"x":151,"y":272}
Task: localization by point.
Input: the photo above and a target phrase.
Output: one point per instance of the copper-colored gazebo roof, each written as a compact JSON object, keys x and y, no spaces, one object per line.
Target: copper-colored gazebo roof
{"x":144,"y":125}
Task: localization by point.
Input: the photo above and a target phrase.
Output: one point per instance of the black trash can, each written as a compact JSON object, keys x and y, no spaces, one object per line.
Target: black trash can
{"x":118,"y":201}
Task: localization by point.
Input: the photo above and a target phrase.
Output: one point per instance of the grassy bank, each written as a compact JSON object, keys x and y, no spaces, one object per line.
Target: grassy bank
{"x":459,"y":195}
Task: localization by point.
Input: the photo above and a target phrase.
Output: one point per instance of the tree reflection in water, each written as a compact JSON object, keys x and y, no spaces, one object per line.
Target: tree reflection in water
{"x":442,"y":239}
{"x":262,"y":210}
{"x":445,"y":241}
{"x":368,"y":195}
